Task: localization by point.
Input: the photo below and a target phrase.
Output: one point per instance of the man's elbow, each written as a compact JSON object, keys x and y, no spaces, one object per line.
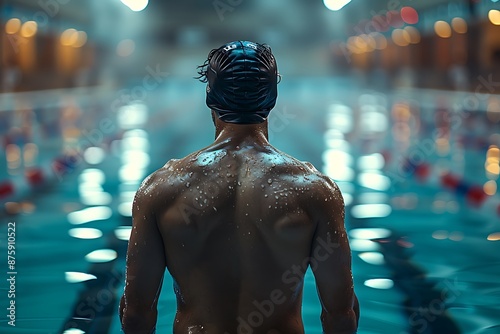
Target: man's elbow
{"x":134,"y":322}
{"x":346,"y":323}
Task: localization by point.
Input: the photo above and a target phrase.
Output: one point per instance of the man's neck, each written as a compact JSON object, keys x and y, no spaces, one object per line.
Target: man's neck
{"x":241,"y":134}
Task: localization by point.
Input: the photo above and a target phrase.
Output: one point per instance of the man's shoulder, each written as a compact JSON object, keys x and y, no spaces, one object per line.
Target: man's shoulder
{"x":162,"y":181}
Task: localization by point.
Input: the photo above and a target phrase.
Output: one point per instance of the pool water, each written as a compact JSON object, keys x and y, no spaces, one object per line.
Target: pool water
{"x":417,"y":169}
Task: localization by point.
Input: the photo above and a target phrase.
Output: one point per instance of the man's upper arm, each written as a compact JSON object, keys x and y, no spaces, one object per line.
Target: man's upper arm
{"x":332,"y":263}
{"x":145,"y":262}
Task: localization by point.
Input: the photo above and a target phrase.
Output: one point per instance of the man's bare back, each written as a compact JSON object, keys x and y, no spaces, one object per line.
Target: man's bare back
{"x":237,"y":224}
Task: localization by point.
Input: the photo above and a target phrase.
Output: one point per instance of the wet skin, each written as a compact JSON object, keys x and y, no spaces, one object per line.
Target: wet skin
{"x":236,"y":224}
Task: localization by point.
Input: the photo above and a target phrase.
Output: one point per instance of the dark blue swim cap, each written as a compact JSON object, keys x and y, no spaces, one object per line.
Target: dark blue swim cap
{"x":242,"y":79}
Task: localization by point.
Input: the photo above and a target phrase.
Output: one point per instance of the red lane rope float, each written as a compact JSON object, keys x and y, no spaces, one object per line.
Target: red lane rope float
{"x":6,"y":189}
{"x":474,"y":194}
{"x":36,"y":176}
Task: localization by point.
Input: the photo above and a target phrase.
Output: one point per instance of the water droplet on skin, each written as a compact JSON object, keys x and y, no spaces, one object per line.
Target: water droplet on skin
{"x":276,"y":197}
{"x":188,"y":184}
{"x":270,"y":181}
{"x":326,"y":199}
{"x":239,"y":183}
{"x":262,"y":186}
{"x":265,"y":195}
{"x":215,"y":209}
{"x":190,"y":174}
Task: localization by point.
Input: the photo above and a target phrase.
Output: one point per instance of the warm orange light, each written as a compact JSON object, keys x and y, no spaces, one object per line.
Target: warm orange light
{"x":370,"y":42}
{"x":413,"y":33}
{"x":494,"y":16}
{"x":400,"y":37}
{"x":380,"y":40}
{"x":442,"y":29}
{"x":490,"y":188}
{"x":459,"y":25}
{"x":494,"y":236}
{"x":29,"y":29}
{"x":12,"y":26}
{"x":69,"y":36}
{"x":493,"y":152}
{"x":493,"y":169}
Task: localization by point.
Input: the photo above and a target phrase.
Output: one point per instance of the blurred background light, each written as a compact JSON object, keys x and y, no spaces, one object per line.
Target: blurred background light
{"x":335,"y":5}
{"x":69,"y":36}
{"x":136,"y":5}
{"x":12,"y":26}
{"x":125,"y":48}
{"x":494,"y":16}
{"x":442,"y":29}
{"x":29,"y":29}
{"x":459,"y":25}
{"x":409,"y":15}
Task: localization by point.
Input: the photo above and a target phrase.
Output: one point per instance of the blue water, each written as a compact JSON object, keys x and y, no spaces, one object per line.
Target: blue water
{"x":422,"y":261}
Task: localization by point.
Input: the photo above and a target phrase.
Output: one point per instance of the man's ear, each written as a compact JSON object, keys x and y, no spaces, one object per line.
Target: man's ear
{"x":213,"y":117}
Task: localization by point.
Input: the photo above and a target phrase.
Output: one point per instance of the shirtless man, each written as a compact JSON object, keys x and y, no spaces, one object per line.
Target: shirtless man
{"x":237,"y":223}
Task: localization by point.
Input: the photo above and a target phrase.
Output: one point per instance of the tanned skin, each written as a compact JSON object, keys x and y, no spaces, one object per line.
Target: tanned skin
{"x":236,"y":224}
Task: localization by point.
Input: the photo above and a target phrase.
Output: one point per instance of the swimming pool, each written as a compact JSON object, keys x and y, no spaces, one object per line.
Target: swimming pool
{"x":409,"y":163}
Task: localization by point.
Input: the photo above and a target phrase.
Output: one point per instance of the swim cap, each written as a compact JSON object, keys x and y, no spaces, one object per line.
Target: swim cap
{"x":242,"y":80}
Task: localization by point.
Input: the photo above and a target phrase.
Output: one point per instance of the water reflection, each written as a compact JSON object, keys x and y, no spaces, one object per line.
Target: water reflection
{"x":101,"y":255}
{"x":85,"y":233}
{"x":77,"y":277}
{"x":89,"y":214}
{"x":380,"y":283}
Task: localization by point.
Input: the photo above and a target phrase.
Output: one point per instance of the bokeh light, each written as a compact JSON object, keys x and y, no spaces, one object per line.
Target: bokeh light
{"x":494,"y":16}
{"x":125,"y":48}
{"x":401,"y":37}
{"x":69,"y":36}
{"x":413,"y":33}
{"x":409,"y":15}
{"x":459,"y":25}
{"x":335,"y":5}
{"x":136,"y":5}
{"x":29,"y":29}
{"x":442,"y":29}
{"x":12,"y":26}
